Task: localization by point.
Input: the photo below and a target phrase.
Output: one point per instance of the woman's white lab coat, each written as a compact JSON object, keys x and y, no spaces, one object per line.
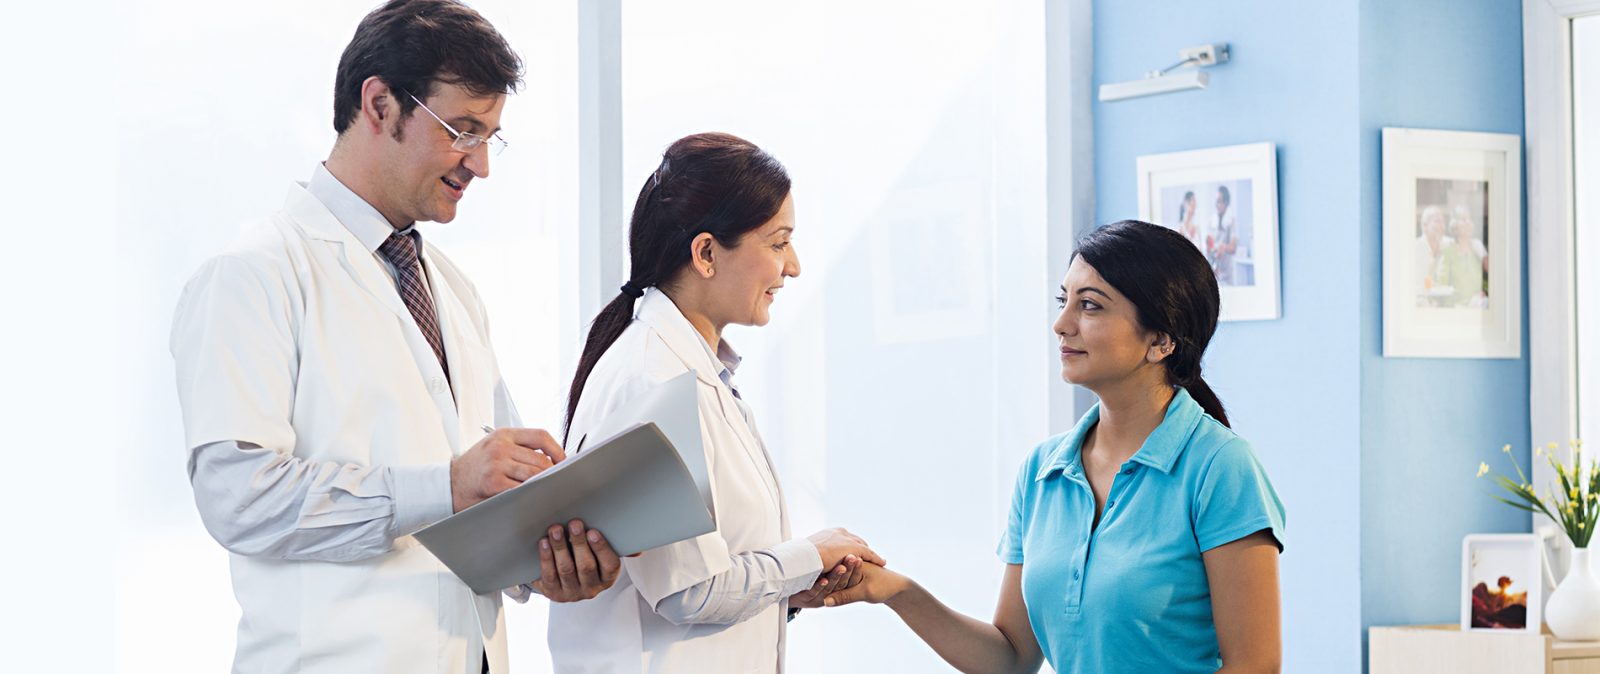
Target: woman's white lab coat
{"x":619,"y":632}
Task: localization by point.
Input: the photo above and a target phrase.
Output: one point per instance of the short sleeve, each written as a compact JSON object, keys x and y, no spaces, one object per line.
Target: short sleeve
{"x":1234,"y":499}
{"x":1010,"y":548}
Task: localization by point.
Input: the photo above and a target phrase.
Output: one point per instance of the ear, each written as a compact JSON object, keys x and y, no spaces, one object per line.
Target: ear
{"x":702,"y":255}
{"x":1160,"y":348}
{"x":379,"y":109}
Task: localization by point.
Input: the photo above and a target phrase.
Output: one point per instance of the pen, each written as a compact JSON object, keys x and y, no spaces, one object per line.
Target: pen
{"x":487,"y":428}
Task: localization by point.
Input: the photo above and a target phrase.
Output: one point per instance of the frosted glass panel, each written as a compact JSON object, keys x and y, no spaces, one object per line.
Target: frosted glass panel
{"x":905,"y":372}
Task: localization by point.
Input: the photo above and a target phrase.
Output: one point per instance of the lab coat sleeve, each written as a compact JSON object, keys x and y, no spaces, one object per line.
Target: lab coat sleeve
{"x":756,"y":580}
{"x":633,"y":365}
{"x":259,"y":502}
{"x":234,"y":347}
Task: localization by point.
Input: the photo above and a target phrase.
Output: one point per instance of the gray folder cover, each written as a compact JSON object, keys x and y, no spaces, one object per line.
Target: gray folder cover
{"x":633,"y":487}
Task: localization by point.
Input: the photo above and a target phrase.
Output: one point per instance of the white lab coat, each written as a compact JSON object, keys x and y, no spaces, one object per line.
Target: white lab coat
{"x":296,"y":340}
{"x":619,"y":632}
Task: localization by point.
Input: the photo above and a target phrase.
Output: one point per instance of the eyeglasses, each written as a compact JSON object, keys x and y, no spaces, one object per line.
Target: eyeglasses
{"x":465,"y":142}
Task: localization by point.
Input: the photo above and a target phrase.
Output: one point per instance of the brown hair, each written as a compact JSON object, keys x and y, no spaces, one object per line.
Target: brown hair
{"x":709,"y":182}
{"x":412,"y":45}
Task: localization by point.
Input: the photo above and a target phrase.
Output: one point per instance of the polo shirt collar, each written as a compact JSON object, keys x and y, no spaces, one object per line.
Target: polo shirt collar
{"x":1160,"y":451}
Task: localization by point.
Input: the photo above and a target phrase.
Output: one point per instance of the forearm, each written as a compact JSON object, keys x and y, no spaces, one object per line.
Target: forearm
{"x":258,"y":502}
{"x":755,"y":581}
{"x":968,"y":644}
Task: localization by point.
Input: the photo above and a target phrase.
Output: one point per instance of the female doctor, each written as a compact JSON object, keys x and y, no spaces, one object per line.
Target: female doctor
{"x":710,"y":246}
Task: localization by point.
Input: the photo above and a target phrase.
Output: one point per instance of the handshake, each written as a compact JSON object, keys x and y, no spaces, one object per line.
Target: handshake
{"x":852,"y":572}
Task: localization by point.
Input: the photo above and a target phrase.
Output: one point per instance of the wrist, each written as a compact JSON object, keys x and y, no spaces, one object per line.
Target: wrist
{"x":903,"y":593}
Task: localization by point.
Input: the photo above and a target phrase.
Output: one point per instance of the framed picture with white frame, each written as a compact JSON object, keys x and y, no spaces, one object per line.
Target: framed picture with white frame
{"x":1452,"y":244}
{"x":1225,"y":201}
{"x":1502,"y":583}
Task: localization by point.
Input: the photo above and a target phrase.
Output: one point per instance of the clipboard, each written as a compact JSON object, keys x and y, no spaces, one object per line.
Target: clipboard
{"x":634,"y":487}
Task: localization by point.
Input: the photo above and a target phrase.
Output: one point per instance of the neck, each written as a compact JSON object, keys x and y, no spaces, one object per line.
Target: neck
{"x":1130,"y":411}
{"x":345,"y":165}
{"x":688,"y":305}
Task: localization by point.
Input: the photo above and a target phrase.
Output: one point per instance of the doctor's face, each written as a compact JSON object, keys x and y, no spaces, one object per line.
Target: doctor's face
{"x":748,"y":276}
{"x":1098,"y":332}
{"x":424,"y":176}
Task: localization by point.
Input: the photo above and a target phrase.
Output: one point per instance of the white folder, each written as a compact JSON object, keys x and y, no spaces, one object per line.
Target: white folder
{"x":642,"y":486}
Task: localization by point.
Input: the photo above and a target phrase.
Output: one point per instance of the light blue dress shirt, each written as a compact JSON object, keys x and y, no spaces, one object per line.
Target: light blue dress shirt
{"x":1131,"y":594}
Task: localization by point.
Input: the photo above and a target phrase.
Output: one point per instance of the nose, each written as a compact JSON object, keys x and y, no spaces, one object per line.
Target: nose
{"x":791,"y":266}
{"x":1064,"y":324}
{"x":477,"y":161}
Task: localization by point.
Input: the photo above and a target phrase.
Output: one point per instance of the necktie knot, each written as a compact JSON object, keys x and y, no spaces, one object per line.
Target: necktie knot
{"x":400,"y":250}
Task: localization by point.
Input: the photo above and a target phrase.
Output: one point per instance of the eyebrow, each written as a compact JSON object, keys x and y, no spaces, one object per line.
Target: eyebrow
{"x":471,"y":124}
{"x":782,"y":230}
{"x":1088,"y":289}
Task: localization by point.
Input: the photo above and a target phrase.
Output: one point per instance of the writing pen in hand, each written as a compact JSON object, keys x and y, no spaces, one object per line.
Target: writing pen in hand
{"x":490,"y":429}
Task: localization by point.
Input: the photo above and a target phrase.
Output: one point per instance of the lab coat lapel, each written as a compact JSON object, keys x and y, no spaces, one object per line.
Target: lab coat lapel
{"x":453,"y":322}
{"x":686,"y":343}
{"x":319,"y":224}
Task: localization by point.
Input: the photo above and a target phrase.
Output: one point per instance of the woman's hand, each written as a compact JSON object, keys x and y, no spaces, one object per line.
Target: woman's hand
{"x":846,"y":574}
{"x":876,"y":585}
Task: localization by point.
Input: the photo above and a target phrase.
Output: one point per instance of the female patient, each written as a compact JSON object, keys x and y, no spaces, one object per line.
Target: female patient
{"x":1146,"y":539}
{"x":710,"y":246}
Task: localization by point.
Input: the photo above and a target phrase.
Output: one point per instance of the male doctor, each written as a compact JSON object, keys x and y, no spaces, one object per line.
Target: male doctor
{"x":336,"y":377}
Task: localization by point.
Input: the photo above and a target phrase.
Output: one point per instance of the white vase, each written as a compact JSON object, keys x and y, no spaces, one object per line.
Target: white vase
{"x":1573,"y":612}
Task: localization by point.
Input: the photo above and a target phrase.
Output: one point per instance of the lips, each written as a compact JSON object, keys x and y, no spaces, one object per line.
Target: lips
{"x":1067,"y":352}
{"x":457,"y":190}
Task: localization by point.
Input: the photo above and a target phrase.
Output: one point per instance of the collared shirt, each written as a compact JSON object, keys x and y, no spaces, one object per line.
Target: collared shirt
{"x":1131,"y":595}
{"x":308,"y":510}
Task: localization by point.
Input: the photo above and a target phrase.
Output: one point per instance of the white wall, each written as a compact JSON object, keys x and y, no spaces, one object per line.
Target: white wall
{"x":906,"y":371}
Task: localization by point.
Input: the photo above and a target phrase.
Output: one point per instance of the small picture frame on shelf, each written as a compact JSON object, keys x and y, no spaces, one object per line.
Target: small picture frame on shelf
{"x":1502,"y":583}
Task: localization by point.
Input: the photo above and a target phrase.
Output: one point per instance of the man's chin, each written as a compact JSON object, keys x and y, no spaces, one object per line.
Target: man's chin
{"x":443,"y":215}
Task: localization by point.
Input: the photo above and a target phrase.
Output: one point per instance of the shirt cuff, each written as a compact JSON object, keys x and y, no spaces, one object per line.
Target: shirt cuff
{"x":520,"y":593}
{"x":421,"y":496}
{"x":801,"y":564}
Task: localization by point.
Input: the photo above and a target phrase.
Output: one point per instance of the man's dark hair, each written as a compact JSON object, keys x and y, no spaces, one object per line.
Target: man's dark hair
{"x":412,"y":45}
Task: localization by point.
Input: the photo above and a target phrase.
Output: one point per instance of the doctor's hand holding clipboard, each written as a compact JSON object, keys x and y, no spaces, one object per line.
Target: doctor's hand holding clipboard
{"x":576,"y":563}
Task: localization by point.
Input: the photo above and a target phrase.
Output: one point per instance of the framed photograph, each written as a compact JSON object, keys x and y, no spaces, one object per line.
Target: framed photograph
{"x":1225,"y":201}
{"x":1452,"y":244}
{"x":1501,"y":583}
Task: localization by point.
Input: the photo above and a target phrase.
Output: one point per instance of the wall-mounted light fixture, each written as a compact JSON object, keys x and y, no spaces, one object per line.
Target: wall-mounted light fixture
{"x":1189,"y":75}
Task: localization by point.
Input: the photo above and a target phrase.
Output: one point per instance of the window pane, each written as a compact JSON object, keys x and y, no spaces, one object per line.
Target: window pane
{"x":889,"y":385}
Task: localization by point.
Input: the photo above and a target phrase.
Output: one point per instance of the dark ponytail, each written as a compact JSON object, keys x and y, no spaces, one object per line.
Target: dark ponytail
{"x":1173,"y":290}
{"x":709,"y":182}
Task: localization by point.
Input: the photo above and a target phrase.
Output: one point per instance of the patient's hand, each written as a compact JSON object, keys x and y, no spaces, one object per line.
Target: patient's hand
{"x":846,"y":574}
{"x":875,"y":585}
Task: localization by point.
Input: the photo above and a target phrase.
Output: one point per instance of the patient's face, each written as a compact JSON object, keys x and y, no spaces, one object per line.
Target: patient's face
{"x":1098,"y":332}
{"x":748,"y":276}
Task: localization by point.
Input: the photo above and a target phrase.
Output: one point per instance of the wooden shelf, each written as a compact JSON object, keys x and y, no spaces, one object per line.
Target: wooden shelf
{"x":1424,"y":649}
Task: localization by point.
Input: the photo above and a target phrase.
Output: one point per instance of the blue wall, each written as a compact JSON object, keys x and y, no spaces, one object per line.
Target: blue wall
{"x":1377,"y":478}
{"x":1437,"y":64}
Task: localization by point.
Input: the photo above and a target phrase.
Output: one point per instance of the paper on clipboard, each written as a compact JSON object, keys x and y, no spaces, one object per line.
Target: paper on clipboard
{"x":673,"y":407}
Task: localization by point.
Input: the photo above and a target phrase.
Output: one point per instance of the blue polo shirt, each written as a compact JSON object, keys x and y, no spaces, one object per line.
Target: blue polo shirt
{"x":1131,"y":595}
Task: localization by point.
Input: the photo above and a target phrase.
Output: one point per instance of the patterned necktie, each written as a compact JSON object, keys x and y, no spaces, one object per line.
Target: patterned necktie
{"x":401,"y":251}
